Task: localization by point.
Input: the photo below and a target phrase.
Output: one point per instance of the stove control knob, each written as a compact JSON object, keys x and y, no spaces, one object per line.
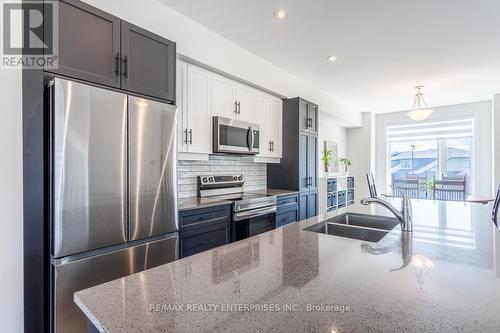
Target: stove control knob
{"x":204,"y":180}
{"x":211,"y":179}
{"x":240,"y":178}
{"x":235,"y":178}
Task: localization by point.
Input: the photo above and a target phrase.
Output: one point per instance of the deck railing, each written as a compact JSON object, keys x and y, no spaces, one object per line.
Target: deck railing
{"x":447,"y":188}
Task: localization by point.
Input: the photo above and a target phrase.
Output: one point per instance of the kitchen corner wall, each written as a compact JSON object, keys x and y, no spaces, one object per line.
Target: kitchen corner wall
{"x":255,"y":174}
{"x":11,"y":201}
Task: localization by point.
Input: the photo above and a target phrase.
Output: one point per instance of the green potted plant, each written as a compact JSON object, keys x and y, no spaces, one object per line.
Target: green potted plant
{"x":429,"y":186}
{"x":346,"y":163}
{"x":327,"y":158}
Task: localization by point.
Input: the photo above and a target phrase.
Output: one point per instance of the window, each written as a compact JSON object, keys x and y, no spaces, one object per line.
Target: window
{"x":413,"y":158}
{"x":406,"y":164}
{"x":423,"y":157}
{"x":458,"y":156}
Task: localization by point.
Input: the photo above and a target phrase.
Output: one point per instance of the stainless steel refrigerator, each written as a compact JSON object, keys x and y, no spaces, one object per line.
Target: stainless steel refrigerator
{"x":113,"y":191}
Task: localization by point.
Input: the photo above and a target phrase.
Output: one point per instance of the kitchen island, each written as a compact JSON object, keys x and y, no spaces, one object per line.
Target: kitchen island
{"x":441,"y":278}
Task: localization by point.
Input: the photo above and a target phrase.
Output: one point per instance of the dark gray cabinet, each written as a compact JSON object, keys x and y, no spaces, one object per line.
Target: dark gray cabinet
{"x":98,"y":47}
{"x":298,"y":167}
{"x":204,"y":229}
{"x":287,"y":209}
{"x":308,"y":115}
{"x":312,"y":114}
{"x":312,"y":204}
{"x":148,"y":62}
{"x":89,"y":43}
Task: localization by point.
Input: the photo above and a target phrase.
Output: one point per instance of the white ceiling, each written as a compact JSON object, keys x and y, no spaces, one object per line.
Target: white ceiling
{"x":383,"y":47}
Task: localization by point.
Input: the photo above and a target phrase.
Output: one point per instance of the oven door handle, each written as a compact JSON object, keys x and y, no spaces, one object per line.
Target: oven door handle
{"x":254,"y":213}
{"x":240,"y":209}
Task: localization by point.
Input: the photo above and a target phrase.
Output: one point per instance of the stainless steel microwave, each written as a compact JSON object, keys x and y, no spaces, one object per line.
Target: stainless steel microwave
{"x":235,"y":137}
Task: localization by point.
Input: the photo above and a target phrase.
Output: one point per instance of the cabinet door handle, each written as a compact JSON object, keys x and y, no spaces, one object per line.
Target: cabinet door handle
{"x":239,"y":108}
{"x":236,"y":107}
{"x":272,"y":146}
{"x":186,"y":136}
{"x":191,"y":136}
{"x":207,"y":242}
{"x":117,"y":64}
{"x":125,"y":67}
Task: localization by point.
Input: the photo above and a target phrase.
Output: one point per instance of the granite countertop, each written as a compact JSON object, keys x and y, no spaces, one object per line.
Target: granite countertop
{"x":197,"y":202}
{"x":442,"y":277}
{"x":278,"y":193}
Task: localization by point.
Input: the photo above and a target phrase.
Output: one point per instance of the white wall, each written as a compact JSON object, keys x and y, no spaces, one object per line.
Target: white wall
{"x":496,"y":140}
{"x":202,"y":45}
{"x":361,"y":150}
{"x":11,"y":237}
{"x":482,"y":147}
{"x":330,"y":129}
{"x":495,"y":125}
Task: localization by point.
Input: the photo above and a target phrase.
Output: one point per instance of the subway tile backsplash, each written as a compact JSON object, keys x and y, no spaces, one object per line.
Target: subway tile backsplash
{"x":188,"y":171}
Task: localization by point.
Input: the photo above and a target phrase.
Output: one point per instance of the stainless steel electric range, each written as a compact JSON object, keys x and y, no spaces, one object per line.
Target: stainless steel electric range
{"x":252,"y":212}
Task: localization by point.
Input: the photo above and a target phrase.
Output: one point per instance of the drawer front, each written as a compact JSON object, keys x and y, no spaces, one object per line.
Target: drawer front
{"x":198,"y":218}
{"x":290,"y":199}
{"x":287,"y":203}
{"x":207,"y":238}
{"x":286,"y":218}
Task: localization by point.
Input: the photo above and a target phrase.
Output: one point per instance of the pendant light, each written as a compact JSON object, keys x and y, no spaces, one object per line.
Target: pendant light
{"x":420,"y":110}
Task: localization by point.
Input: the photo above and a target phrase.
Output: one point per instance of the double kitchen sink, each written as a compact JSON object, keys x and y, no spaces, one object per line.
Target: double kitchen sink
{"x":369,"y":228}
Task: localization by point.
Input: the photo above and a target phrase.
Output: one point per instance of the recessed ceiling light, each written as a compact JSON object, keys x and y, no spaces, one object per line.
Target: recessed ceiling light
{"x":331,"y":58}
{"x":280,"y":14}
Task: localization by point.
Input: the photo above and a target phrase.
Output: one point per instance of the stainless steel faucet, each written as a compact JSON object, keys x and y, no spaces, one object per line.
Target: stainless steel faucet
{"x":404,"y":216}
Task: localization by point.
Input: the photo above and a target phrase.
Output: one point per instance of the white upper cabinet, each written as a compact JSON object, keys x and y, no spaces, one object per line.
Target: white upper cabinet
{"x":245,"y":97}
{"x":260,"y":115}
{"x":199,"y":113}
{"x":276,"y":119}
{"x":268,"y":114}
{"x":224,"y":97}
{"x":202,"y":94}
{"x":231,"y":99}
{"x":194,"y":117}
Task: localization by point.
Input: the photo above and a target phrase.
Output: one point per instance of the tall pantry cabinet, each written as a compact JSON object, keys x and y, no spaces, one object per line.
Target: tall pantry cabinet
{"x":298,"y":167}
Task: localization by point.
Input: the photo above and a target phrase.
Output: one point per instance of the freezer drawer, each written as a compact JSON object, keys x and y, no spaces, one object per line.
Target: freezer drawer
{"x":152,"y":168}
{"x":88,"y":152}
{"x":73,"y":276}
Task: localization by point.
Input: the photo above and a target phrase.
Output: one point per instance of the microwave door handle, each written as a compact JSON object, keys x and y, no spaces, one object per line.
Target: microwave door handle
{"x":250,"y":141}
{"x":253,"y":138}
